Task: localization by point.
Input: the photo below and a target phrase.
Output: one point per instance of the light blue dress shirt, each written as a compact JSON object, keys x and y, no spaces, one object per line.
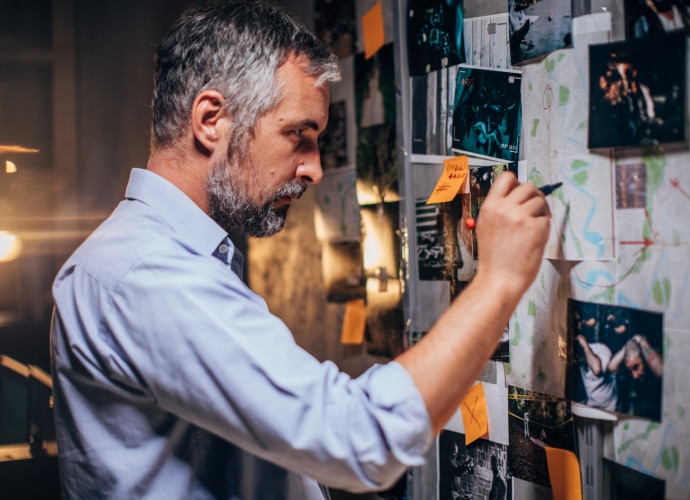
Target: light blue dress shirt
{"x":166,"y":365}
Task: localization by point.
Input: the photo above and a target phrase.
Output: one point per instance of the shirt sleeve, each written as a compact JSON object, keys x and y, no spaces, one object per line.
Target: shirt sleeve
{"x":189,"y":335}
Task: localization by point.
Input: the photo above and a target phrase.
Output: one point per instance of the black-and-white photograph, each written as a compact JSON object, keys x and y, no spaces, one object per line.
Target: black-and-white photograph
{"x":431,"y":250}
{"x":616,"y":359}
{"x":444,"y":243}
{"x":538,"y":27}
{"x":487,"y":112}
{"x":479,"y":470}
{"x":536,"y":420}
{"x":432,"y":112}
{"x":643,"y":17}
{"x":434,"y":35}
{"x":638,"y":92}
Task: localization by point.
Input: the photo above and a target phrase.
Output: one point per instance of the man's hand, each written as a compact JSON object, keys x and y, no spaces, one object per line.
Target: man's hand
{"x":512,"y":230}
{"x":513,"y":227}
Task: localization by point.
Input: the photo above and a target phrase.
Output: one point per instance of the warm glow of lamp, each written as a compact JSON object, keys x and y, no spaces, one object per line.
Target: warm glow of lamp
{"x":10,"y":246}
{"x":10,"y":167}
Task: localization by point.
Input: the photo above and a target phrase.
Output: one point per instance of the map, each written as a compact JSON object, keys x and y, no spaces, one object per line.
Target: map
{"x":555,"y":142}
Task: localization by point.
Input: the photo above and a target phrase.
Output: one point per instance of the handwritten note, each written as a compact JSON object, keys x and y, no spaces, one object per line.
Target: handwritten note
{"x":474,"y":416}
{"x":354,"y":322}
{"x":564,"y":472}
{"x":453,"y":178}
{"x":372,"y":30}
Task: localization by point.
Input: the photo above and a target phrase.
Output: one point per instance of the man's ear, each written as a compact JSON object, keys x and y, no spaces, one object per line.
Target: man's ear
{"x":208,"y":120}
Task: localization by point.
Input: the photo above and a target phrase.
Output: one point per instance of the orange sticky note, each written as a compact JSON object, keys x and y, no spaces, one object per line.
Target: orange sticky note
{"x":453,"y":178}
{"x":354,"y":322}
{"x":564,"y":471}
{"x":372,"y":30}
{"x":474,"y":415}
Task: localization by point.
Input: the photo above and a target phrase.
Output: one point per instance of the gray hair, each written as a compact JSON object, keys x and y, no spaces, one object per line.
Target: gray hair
{"x":234,"y":47}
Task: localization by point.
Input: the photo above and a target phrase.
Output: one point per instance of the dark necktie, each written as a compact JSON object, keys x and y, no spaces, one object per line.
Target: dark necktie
{"x":237,"y":262}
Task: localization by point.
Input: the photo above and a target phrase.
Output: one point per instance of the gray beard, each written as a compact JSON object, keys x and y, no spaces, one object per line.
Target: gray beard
{"x":231,"y":208}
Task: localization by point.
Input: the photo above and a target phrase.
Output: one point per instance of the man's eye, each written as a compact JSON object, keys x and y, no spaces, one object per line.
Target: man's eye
{"x":299,"y":132}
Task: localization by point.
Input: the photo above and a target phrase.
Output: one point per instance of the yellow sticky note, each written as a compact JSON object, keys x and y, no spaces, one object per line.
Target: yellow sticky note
{"x":564,"y":471}
{"x":474,"y":415}
{"x":454,"y":176}
{"x":372,"y":30}
{"x":354,"y":322}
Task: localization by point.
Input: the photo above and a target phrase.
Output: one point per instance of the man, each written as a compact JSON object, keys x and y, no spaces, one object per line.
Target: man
{"x":641,"y":380}
{"x":593,"y":360}
{"x":166,"y":365}
{"x":498,"y":484}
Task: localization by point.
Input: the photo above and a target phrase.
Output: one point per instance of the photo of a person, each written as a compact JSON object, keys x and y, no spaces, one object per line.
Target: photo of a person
{"x":637,"y":92}
{"x":498,"y":483}
{"x":613,"y":366}
{"x":654,"y":16}
{"x":591,"y":360}
{"x":454,"y":464}
{"x":487,"y":112}
{"x":641,"y":370}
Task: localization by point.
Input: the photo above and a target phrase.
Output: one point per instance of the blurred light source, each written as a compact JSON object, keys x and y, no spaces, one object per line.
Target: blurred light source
{"x":10,"y":246}
{"x":10,"y":167}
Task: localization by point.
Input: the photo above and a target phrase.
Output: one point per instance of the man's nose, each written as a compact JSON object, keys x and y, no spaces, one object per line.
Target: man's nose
{"x":310,"y":170}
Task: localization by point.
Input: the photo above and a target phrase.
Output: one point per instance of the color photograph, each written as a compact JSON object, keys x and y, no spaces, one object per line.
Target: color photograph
{"x":616,"y":358}
{"x":638,"y":92}
{"x":434,"y":35}
{"x":486,"y":113}
{"x":643,"y":17}
{"x":536,"y":420}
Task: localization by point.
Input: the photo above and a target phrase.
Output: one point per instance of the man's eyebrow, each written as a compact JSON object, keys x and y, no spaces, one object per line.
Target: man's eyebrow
{"x":308,"y":123}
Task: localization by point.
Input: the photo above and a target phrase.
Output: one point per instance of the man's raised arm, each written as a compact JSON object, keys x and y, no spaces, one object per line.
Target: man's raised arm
{"x":512,"y":230}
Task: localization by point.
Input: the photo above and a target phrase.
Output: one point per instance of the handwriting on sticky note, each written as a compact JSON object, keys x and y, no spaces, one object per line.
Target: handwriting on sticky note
{"x":354,"y":322}
{"x":564,"y":473}
{"x":453,"y":178}
{"x":474,"y":415}
{"x":372,"y":30}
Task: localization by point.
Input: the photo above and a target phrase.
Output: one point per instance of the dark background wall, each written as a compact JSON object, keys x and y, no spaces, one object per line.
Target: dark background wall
{"x":98,"y":58}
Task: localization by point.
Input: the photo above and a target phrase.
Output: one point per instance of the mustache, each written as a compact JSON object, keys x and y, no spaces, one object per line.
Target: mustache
{"x":294,"y":190}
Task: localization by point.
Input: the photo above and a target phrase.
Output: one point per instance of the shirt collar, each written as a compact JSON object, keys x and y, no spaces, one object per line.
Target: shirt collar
{"x":195,"y":227}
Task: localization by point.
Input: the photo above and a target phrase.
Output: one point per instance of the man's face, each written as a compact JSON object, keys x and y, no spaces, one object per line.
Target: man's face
{"x":636,"y":367}
{"x":250,"y":193}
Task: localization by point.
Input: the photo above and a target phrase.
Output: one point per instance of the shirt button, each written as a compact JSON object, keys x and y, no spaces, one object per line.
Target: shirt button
{"x":223,"y":248}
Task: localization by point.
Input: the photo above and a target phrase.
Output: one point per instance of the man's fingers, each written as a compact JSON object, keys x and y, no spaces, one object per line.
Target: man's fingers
{"x":503,"y":184}
{"x":536,"y":205}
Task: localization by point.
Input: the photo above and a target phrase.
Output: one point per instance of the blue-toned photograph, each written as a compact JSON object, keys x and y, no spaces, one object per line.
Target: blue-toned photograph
{"x":487,"y":112}
{"x":434,"y":35}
